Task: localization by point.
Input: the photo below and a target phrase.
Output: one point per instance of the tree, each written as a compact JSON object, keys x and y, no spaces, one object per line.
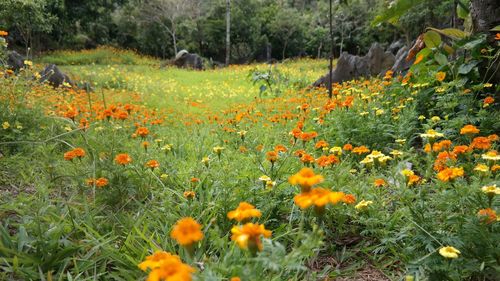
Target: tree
{"x":228,"y":31}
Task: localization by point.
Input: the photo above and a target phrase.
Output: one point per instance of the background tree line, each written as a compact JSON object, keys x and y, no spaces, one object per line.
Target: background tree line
{"x":161,"y":27}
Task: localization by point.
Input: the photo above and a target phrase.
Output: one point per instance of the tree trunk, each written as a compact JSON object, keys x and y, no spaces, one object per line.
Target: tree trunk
{"x":228,"y":31}
{"x":485,"y":15}
{"x":174,"y":39}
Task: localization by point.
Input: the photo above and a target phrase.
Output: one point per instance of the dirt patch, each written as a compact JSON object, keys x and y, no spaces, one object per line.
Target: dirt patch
{"x":368,"y":273}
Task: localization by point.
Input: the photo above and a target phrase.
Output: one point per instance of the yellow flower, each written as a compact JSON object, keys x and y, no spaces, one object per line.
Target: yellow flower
{"x":482,"y":168}
{"x":491,"y":190}
{"x":435,"y":118}
{"x":248,"y":236}
{"x":218,"y":149}
{"x":244,"y":212}
{"x":363,"y":204}
{"x":440,"y":76}
{"x":264,"y":178}
{"x":186,"y":231}
{"x":336,"y":150}
{"x":449,"y":252}
{"x":5,"y":125}
{"x":431,"y":134}
{"x":491,"y":155}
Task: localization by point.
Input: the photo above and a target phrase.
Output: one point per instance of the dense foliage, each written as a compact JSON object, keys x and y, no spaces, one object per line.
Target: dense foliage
{"x":291,"y":28}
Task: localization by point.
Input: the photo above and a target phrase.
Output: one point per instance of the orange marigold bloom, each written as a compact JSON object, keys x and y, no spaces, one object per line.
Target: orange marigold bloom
{"x":235,"y":279}
{"x":248,"y":236}
{"x":487,"y":215}
{"x":440,"y":76}
{"x":360,"y":150}
{"x":488,"y":100}
{"x":296,"y":133}
{"x":349,"y":199}
{"x":460,"y":149}
{"x":3,"y":33}
{"x":70,"y":155}
{"x":347,"y":147}
{"x":123,"y":159}
{"x":272,"y":156}
{"x":483,"y":143}
{"x":307,"y":159}
{"x":469,"y":130}
{"x":79,"y":152}
{"x":495,"y":168}
{"x":305,"y":137}
{"x":101,"y":182}
{"x":449,"y":174}
{"x":152,"y":164}
{"x":244,"y":212}
{"x":379,"y":182}
{"x":493,"y":137}
{"x":442,"y":145}
{"x":186,"y":231}
{"x":280,"y":148}
{"x":306,"y":179}
{"x":412,"y":179}
{"x":318,"y":197}
{"x":189,"y":194}
{"x":321,"y":144}
{"x":299,"y":153}
{"x":167,"y":267}
{"x":142,"y":131}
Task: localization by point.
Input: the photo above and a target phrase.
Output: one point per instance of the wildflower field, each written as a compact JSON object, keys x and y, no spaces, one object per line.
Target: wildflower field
{"x":246,"y":173}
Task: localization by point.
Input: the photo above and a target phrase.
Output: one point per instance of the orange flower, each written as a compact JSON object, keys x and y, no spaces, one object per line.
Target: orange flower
{"x":469,"y":130}
{"x":306,"y":179}
{"x":460,"y":149}
{"x":280,"y":148}
{"x":379,"y":182}
{"x":152,"y":164}
{"x":349,"y":199}
{"x":248,"y":236}
{"x":272,"y":156}
{"x":70,"y":155}
{"x":347,"y":147}
{"x":235,"y":279}
{"x":101,"y":182}
{"x":487,"y":215}
{"x":189,"y":194}
{"x":123,"y":159}
{"x":142,"y":131}
{"x":318,"y":197}
{"x":412,"y":179}
{"x":483,"y":143}
{"x":165,"y":266}
{"x":497,"y":36}
{"x":244,"y":212}
{"x":307,"y":159}
{"x":493,"y":137}
{"x":194,"y":180}
{"x":321,"y":144}
{"x":440,"y":76}
{"x":186,"y":231}
{"x":3,"y":33}
{"x":449,"y":174}
{"x":360,"y":150}
{"x":79,"y":152}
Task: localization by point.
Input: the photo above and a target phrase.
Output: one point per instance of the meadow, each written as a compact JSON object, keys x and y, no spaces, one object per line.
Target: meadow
{"x":245,"y":173}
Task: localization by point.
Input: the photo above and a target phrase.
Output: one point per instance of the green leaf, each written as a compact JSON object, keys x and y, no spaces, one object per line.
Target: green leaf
{"x":473,"y":44}
{"x":395,"y":11}
{"x":432,"y":39}
{"x":466,"y":68}
{"x":461,"y":12}
{"x":452,"y":33}
{"x":496,"y":28}
{"x":441,"y":59}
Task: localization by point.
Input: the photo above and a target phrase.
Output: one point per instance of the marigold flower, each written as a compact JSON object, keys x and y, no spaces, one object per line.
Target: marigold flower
{"x":363,"y":204}
{"x":449,"y":252}
{"x":482,"y":143}
{"x":101,"y":182}
{"x":3,"y":33}
{"x":235,"y":279}
{"x":487,"y":215}
{"x":347,"y":147}
{"x":69,"y":155}
{"x":244,"y":212}
{"x":189,"y":194}
{"x":142,"y":131}
{"x":488,"y":100}
{"x":469,"y":130}
{"x":218,"y":149}
{"x":460,"y":149}
{"x":123,"y":159}
{"x":491,"y":190}
{"x":167,"y":267}
{"x":449,"y":174}
{"x":272,"y":156}
{"x":440,"y":76}
{"x":152,"y":164}
{"x":318,"y":197}
{"x":379,"y":182}
{"x":432,"y":134}
{"x":349,"y":199}
{"x":321,"y":144}
{"x":307,"y":159}
{"x":482,"y":168}
{"x":186,"y":231}
{"x":306,"y":179}
{"x":491,"y":156}
{"x":280,"y":148}
{"x":360,"y":150}
{"x":248,"y":236}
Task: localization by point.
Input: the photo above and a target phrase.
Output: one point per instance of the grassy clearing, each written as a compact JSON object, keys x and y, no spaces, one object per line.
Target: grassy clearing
{"x":94,"y":183}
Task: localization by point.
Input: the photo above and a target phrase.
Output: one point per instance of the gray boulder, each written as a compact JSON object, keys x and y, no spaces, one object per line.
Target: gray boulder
{"x":184,"y":59}
{"x":395,"y":46}
{"x":54,"y":76}
{"x":402,"y":64}
{"x":350,"y":67}
{"x":15,"y":61}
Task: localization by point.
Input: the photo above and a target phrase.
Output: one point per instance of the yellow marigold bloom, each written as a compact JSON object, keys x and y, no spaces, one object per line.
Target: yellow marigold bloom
{"x":491,"y":190}
{"x":306,"y":179}
{"x":248,"y":236}
{"x":363,"y":204}
{"x":440,"y":76}
{"x":491,"y":155}
{"x":469,"y":130}
{"x":186,"y":231}
{"x":450,"y":174}
{"x":449,"y":252}
{"x":435,"y":118}
{"x":396,"y":153}
{"x":407,"y":172}
{"x":482,"y":168}
{"x":218,"y":149}
{"x":244,"y":212}
{"x":432,"y":134}
{"x":336,"y":150}
{"x":5,"y":125}
{"x":167,"y":267}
